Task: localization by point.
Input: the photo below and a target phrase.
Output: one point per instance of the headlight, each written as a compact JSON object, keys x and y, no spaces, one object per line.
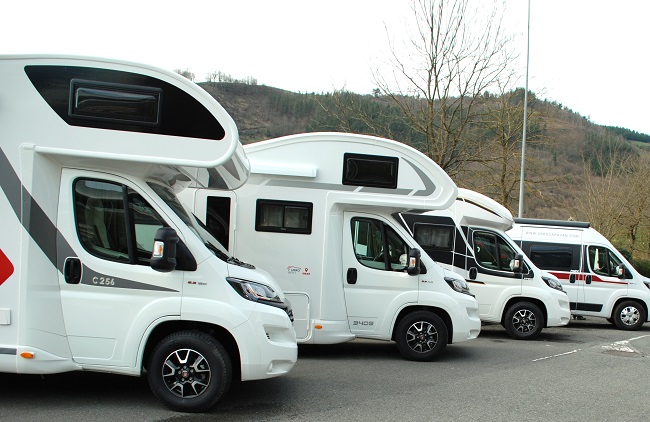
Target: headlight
{"x":647,"y":283}
{"x":458,"y":284}
{"x":552,"y":283}
{"x":255,"y":292}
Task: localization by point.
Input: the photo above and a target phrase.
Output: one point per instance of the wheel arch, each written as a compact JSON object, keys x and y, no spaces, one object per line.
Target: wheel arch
{"x":438,"y":311}
{"x":540,"y":304}
{"x":641,"y":302}
{"x":222,"y":335}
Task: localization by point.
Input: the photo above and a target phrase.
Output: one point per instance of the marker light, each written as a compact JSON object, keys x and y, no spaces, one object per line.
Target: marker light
{"x":27,"y":355}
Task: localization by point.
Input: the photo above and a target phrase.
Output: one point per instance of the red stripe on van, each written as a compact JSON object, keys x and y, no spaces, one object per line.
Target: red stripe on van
{"x":560,"y":276}
{"x":6,"y":267}
{"x":594,"y":278}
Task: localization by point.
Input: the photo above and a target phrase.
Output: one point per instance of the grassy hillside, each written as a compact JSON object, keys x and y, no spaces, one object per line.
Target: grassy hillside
{"x":566,"y":155}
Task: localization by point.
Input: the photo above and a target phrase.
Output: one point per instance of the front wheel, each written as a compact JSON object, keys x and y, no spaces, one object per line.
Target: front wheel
{"x":421,"y":336}
{"x":523,"y":321}
{"x":189,"y":371}
{"x":629,"y":315}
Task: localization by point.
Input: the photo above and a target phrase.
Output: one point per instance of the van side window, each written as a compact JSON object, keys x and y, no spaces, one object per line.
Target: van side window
{"x":434,"y":236}
{"x":378,"y":246}
{"x":114,"y":222}
{"x":217,"y":219}
{"x":370,"y":170}
{"x":283,"y":216}
{"x":602,"y":261}
{"x":493,"y":252}
{"x":100,"y":218}
{"x":146,"y":222}
{"x":556,"y":258}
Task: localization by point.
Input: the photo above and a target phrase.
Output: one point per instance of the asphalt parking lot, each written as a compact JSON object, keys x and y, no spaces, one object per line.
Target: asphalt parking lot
{"x":586,"y":371}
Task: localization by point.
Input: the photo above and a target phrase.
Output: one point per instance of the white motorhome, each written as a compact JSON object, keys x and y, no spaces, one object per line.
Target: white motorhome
{"x":317,"y":213}
{"x":598,"y":279}
{"x":469,"y":238}
{"x":101,"y":268}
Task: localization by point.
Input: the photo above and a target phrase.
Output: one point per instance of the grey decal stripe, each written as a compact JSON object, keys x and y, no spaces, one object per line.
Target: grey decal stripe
{"x":64,"y":250}
{"x":429,"y":185}
{"x":10,"y":183}
{"x":93,"y":278}
{"x":34,"y":219}
{"x":39,"y":226}
{"x":7,"y":351}
{"x":310,"y":185}
{"x":386,"y":191}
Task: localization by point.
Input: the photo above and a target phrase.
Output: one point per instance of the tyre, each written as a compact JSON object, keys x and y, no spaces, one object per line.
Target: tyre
{"x":523,"y":321}
{"x":628,"y":315}
{"x":421,"y":336}
{"x":189,"y":371}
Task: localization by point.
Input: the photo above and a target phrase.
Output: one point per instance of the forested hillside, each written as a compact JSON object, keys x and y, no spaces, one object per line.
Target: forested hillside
{"x":574,"y":169}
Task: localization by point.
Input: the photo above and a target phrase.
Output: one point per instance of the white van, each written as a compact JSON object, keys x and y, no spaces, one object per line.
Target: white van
{"x":598,"y":279}
{"x":317,"y":213}
{"x":101,"y":268}
{"x":469,"y":239}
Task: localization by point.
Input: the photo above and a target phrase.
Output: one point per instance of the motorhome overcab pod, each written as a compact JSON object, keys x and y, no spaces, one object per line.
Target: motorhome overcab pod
{"x":317,"y":212}
{"x":597,"y":277}
{"x":469,"y":238}
{"x":101,"y":268}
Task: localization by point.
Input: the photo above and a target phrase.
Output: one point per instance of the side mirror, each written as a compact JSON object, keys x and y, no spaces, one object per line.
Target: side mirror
{"x":163,"y":256}
{"x":518,"y":264}
{"x":621,"y":272}
{"x":414,"y":262}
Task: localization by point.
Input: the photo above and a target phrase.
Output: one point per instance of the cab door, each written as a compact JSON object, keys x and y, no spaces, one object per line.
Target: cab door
{"x":492,"y":277}
{"x":109,"y":293}
{"x":601,"y":279}
{"x":376,"y":283}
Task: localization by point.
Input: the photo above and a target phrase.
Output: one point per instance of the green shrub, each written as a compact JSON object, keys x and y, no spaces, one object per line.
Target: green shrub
{"x":642,"y":266}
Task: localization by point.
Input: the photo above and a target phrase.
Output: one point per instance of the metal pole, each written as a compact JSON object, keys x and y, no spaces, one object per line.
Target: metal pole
{"x":523,"y":137}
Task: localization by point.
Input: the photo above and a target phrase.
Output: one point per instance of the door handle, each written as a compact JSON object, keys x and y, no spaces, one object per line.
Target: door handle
{"x":588,"y":279}
{"x":72,"y":270}
{"x":352,"y":276}
{"x":572,"y":278}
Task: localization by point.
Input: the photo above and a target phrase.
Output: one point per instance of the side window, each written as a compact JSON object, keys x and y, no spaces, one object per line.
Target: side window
{"x":434,"y":236}
{"x":146,"y":222}
{"x":283,"y":216}
{"x":603,"y":261}
{"x":101,"y":219}
{"x":217,"y":220}
{"x":556,"y":258}
{"x":114,"y":222}
{"x":378,"y":246}
{"x":493,"y":252}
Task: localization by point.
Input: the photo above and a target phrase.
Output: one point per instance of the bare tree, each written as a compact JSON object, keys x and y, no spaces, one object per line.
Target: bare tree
{"x":451,"y":59}
{"x":212,"y":76}
{"x":185,"y":73}
{"x":499,"y":131}
{"x":612,"y":179}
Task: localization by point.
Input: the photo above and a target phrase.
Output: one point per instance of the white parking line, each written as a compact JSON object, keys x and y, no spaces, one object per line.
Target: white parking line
{"x":558,"y":355}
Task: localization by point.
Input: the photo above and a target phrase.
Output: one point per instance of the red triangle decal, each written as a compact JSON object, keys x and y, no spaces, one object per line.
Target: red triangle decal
{"x":6,"y":267}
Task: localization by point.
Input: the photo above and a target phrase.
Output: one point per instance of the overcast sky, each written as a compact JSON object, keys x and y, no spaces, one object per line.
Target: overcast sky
{"x":589,"y":55}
